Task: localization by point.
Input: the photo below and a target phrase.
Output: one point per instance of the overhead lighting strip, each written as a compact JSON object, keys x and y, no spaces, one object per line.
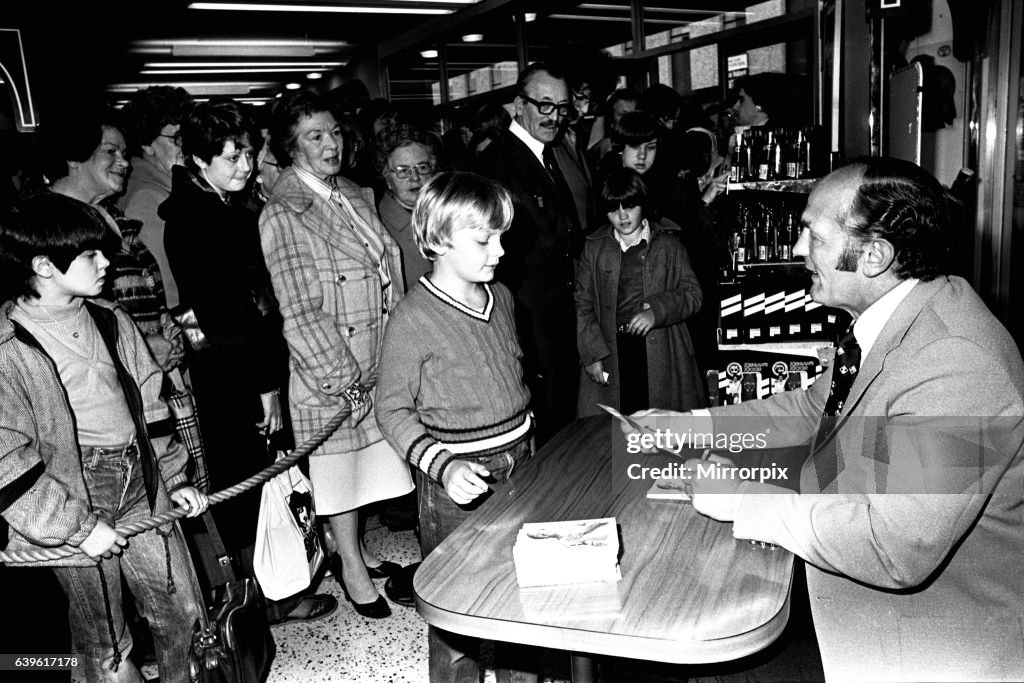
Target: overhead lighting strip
{"x":334,"y":9}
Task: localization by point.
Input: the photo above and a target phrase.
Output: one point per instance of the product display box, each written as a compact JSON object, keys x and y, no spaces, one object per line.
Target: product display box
{"x":774,"y":309}
{"x":747,"y":375}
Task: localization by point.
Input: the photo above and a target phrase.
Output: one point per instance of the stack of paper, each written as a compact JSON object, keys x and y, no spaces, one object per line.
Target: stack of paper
{"x":667,"y":488}
{"x":554,"y":553}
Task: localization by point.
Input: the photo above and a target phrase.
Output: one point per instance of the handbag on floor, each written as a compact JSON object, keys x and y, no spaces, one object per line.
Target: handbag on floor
{"x":288,"y":550}
{"x":231,"y":641}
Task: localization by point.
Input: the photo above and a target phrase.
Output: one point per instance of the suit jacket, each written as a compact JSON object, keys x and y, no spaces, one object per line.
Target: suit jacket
{"x":332,"y":302}
{"x":906,"y":585}
{"x":543,"y":240}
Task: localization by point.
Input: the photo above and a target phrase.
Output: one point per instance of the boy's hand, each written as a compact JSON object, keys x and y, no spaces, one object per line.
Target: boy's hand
{"x":192,"y":499}
{"x":595,"y":371}
{"x":103,"y":541}
{"x":642,"y":322}
{"x":463,"y":481}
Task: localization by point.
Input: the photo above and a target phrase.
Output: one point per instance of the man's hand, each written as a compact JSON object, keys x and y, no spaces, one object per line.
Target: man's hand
{"x":192,"y":499}
{"x":642,"y":323}
{"x":463,"y":481}
{"x":103,"y":541}
{"x":272,"y":420}
{"x":595,"y":371}
{"x":713,"y":490}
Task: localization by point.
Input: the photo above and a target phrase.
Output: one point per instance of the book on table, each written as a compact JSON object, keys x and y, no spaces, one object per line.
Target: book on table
{"x":578,"y":551}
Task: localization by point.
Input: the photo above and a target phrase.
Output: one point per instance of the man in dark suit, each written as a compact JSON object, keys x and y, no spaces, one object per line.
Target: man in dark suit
{"x":541,"y":245}
{"x":910,"y":514}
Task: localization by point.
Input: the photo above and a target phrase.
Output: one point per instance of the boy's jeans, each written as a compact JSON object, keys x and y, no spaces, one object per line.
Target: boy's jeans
{"x":453,"y":656}
{"x":113,"y":479}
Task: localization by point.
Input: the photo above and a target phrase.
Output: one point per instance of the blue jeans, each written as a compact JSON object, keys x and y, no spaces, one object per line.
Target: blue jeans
{"x":453,"y":657}
{"x":157,"y":569}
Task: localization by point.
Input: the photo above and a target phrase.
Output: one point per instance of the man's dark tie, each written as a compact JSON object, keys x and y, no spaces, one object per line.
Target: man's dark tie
{"x":556,"y":173}
{"x":844,"y":372}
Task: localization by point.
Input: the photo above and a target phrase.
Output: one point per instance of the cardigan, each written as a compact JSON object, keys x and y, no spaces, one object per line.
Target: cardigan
{"x":451,"y":382}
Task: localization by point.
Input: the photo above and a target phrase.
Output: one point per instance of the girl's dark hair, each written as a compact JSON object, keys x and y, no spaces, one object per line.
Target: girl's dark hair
{"x":623,"y":186}
{"x":285,"y":117}
{"x":211,"y":125}
{"x":634,"y":129}
{"x":51,"y":225}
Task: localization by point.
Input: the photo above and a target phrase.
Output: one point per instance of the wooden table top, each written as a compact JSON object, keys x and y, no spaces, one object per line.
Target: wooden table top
{"x":690,"y":592}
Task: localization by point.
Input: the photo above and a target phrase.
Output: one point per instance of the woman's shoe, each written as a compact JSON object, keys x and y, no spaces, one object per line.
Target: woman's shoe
{"x":378,"y":609}
{"x":384,"y":570}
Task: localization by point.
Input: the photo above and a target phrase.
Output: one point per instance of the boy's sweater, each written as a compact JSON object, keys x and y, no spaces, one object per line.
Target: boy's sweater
{"x":451,"y":383}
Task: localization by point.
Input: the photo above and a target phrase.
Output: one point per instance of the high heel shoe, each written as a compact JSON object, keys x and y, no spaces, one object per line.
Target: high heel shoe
{"x":378,"y":609}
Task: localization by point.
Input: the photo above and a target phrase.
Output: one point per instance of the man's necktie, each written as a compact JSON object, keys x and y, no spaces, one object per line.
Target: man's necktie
{"x":556,"y":173}
{"x":844,"y":372}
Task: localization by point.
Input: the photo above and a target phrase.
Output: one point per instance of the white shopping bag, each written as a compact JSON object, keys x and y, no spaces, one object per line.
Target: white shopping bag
{"x":288,"y":551}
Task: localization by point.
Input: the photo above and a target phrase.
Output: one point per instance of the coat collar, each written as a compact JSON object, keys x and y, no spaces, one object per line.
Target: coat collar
{"x":393,"y":214}
{"x":658,"y":227}
{"x":322,"y":220}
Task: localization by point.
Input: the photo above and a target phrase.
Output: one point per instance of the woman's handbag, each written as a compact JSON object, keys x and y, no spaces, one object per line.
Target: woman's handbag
{"x":185,"y":316}
{"x":231,"y":641}
{"x":288,"y":550}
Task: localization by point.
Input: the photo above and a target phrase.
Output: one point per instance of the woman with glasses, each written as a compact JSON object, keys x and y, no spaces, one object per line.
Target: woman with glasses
{"x":154,"y":130}
{"x":407,"y":158}
{"x":337,"y":275}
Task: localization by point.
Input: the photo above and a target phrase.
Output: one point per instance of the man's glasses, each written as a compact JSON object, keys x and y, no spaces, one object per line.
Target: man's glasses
{"x":176,"y":138}
{"x":421,"y":169}
{"x":547,"y":108}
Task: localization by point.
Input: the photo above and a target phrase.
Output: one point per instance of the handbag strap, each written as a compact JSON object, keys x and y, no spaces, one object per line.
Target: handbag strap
{"x":221,"y":557}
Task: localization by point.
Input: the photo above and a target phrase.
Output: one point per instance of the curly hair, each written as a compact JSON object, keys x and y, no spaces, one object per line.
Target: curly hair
{"x":905,"y":205}
{"x":153,"y":108}
{"x":403,"y":135}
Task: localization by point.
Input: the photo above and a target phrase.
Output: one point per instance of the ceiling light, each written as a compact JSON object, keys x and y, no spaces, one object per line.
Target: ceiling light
{"x":530,"y":16}
{"x":192,"y":47}
{"x":428,"y":54}
{"x":238,"y":65}
{"x":342,"y":9}
{"x":292,"y":86}
{"x":186,"y":72}
{"x":200,"y":87}
{"x":472,"y":37}
{"x":314,"y":75}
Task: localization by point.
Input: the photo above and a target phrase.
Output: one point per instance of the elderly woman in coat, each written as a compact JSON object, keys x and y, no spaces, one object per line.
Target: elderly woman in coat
{"x":337,"y":274}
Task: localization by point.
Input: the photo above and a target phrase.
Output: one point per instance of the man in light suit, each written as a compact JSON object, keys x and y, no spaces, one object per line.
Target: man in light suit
{"x":542,"y":244}
{"x":910,"y":515}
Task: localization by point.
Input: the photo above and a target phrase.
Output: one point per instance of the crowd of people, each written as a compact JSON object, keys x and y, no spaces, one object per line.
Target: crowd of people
{"x":462,"y":297}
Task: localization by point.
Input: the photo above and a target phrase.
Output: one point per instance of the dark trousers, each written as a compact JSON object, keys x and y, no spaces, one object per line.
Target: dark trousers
{"x":632,"y":359}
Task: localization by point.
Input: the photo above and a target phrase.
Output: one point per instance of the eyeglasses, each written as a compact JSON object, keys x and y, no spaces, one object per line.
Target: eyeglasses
{"x":421,"y":169}
{"x":547,"y":108}
{"x":176,"y":138}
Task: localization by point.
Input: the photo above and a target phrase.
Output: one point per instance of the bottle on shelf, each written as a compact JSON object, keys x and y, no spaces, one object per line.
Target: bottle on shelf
{"x":807,"y":151}
{"x":786,"y":243}
{"x":774,"y":147}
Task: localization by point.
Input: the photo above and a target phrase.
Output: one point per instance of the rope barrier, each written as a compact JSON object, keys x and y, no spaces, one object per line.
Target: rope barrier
{"x":41,"y":554}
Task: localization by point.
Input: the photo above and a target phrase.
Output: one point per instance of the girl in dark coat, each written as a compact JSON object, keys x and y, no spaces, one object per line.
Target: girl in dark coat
{"x":635,"y":289}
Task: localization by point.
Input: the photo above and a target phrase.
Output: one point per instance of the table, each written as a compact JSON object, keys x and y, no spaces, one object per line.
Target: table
{"x":690,"y":592}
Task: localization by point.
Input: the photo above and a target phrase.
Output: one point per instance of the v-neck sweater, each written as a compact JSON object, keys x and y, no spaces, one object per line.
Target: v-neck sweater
{"x":451,"y":383}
